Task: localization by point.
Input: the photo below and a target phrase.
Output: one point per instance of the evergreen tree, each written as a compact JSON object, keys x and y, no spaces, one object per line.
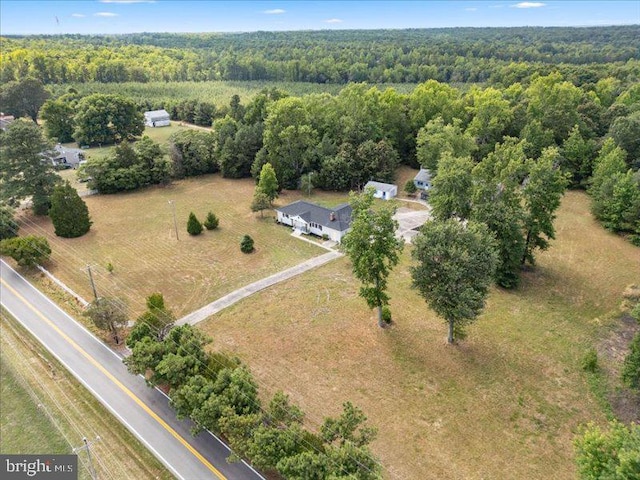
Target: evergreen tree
{"x":25,"y":166}
{"x":194,"y":227}
{"x":211,"y":222}
{"x":8,"y":225}
{"x":246,"y":245}
{"x":69,"y":213}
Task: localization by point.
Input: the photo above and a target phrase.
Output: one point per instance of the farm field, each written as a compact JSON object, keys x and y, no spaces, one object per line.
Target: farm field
{"x":135,"y":233}
{"x":217,"y":92}
{"x":45,"y":410}
{"x":505,"y":403}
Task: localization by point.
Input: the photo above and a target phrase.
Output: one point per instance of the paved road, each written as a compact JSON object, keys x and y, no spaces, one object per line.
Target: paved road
{"x":144,"y":411}
{"x":244,"y":292}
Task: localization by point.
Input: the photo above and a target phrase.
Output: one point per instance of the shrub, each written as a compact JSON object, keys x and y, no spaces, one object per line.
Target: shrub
{"x":246,"y":245}
{"x":386,"y":314}
{"x":211,"y":222}
{"x":410,"y":188}
{"x":110,"y":267}
{"x":631,"y":366}
{"x":590,"y":361}
{"x":194,"y":227}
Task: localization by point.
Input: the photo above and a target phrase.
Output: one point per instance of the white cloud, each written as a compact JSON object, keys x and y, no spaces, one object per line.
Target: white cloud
{"x":333,"y":20}
{"x":529,"y":5}
{"x":471,"y":9}
{"x":105,"y":14}
{"x":275,"y":11}
{"x":78,"y":15}
{"x":127,"y":1}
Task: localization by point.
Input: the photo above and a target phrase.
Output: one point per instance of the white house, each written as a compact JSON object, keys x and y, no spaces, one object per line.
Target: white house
{"x":157,"y":118}
{"x":307,"y":217}
{"x":385,"y":191}
{"x":423,"y":179}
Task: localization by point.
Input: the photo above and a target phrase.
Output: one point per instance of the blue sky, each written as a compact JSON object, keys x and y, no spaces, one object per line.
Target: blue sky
{"x":126,"y":16}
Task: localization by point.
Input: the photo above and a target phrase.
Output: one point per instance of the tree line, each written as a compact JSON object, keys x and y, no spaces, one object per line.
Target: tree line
{"x":493,"y":55}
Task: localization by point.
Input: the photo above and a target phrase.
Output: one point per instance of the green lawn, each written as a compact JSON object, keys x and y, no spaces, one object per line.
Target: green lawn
{"x":24,"y":427}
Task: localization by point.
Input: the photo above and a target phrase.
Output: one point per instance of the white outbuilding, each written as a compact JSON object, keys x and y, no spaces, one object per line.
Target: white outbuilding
{"x":157,"y":118}
{"x":385,"y":191}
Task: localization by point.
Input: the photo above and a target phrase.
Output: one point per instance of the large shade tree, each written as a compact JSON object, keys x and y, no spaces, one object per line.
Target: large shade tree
{"x":373,"y":249}
{"x":25,"y":166}
{"x":23,"y":98}
{"x":105,"y":119}
{"x":455,"y":265}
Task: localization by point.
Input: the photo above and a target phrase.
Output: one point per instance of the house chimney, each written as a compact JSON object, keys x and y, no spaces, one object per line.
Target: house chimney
{"x":332,"y":216}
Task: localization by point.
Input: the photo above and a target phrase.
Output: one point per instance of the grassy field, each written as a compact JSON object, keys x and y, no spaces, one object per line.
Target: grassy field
{"x":135,"y":233}
{"x":45,"y":410}
{"x":503,"y":404}
{"x":219,"y":92}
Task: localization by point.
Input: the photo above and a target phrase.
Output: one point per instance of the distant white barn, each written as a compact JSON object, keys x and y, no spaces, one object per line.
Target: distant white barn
{"x":157,"y":118}
{"x":385,"y":191}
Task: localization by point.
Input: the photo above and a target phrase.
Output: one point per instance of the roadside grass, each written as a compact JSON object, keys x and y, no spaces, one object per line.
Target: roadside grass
{"x":505,"y":403}
{"x":135,"y":233}
{"x":45,"y":410}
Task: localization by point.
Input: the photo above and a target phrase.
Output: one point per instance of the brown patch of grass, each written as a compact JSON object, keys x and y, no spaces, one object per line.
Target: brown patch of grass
{"x":503,"y":404}
{"x":67,"y":411}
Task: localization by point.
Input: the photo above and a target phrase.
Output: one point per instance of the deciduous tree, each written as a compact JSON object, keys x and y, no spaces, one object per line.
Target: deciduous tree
{"x":268,"y":183}
{"x":27,"y":251}
{"x":455,"y":265}
{"x":373,"y":249}
{"x":542,"y":192}
{"x":108,"y":313}
{"x":24,"y":97}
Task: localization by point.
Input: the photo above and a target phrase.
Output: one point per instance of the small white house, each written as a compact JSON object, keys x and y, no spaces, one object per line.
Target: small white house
{"x":157,"y":118}
{"x":385,"y":191}
{"x":308,"y":218}
{"x":423,"y":179}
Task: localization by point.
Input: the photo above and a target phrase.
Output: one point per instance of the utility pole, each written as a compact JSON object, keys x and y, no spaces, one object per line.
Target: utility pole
{"x":175,"y":222}
{"x":87,"y":447}
{"x":93,"y":285}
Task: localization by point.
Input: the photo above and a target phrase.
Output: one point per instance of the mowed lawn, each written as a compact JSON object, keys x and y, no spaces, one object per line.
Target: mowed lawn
{"x":135,"y":233}
{"x":503,"y":404}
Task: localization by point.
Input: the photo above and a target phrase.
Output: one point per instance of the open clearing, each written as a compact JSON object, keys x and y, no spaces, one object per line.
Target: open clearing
{"x":135,"y":233}
{"x":45,"y":410}
{"x":503,"y":404}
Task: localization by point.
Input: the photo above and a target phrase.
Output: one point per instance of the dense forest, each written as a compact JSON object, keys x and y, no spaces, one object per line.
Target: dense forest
{"x":492,"y":55}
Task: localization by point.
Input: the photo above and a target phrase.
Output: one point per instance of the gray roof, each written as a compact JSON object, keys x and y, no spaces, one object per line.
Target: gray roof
{"x":157,"y":114}
{"x":383,"y":187}
{"x":424,"y":175}
{"x":72,"y":156}
{"x":311,"y":212}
